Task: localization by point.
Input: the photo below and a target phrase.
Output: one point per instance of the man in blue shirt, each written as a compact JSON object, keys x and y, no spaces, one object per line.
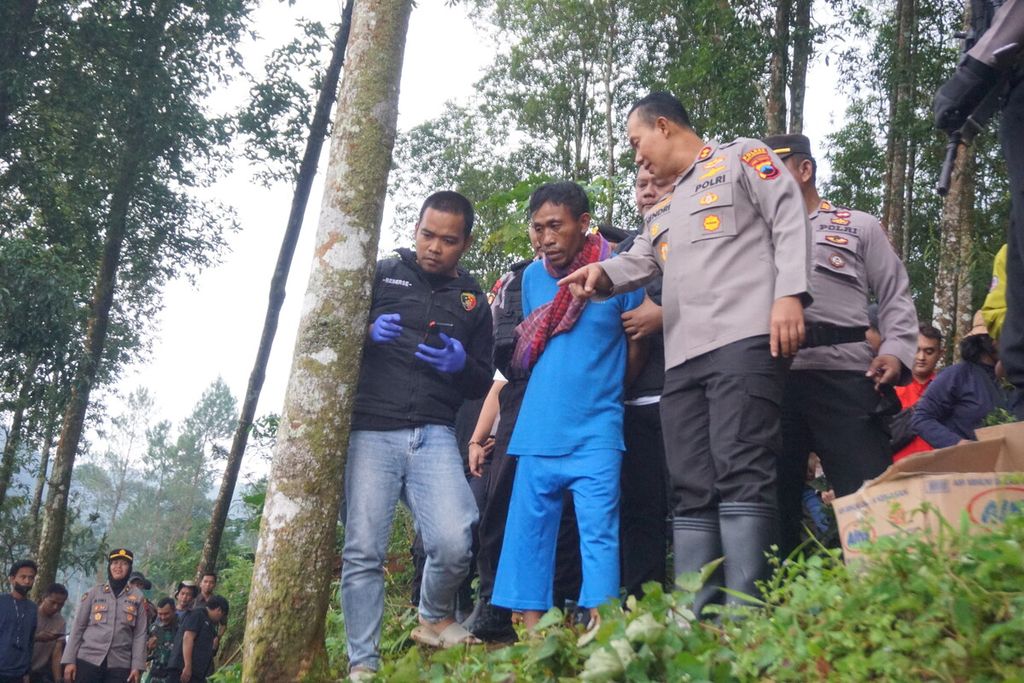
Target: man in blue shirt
{"x":17,"y":624}
{"x":569,"y":431}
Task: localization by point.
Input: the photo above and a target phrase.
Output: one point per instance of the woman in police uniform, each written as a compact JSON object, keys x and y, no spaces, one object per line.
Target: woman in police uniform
{"x":108,"y":637}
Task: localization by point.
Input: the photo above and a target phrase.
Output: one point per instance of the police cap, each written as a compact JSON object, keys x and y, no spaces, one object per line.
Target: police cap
{"x":121,"y":554}
{"x":784,"y":145}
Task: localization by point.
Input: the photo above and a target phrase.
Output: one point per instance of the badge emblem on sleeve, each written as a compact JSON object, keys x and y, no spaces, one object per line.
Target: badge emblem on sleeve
{"x":468,"y":300}
{"x":759,"y":160}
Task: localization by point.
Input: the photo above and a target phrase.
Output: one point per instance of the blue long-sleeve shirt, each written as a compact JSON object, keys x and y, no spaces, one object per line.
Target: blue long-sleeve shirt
{"x":956,"y":403}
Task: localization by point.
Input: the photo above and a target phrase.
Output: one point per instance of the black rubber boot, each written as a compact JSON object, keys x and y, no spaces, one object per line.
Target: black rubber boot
{"x":494,"y":624}
{"x":695,"y":542}
{"x":748,"y":531}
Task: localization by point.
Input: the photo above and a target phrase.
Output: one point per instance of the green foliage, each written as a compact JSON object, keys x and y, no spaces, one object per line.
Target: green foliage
{"x":949,"y":610}
{"x":275,"y":121}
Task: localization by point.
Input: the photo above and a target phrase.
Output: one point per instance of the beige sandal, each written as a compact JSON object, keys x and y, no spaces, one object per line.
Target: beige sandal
{"x":452,"y":636}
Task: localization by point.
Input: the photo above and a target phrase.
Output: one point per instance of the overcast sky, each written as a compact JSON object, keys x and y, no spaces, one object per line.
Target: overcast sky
{"x":212,"y":327}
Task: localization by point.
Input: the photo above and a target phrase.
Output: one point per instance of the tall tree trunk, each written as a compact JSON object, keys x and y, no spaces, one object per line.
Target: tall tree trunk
{"x":609,"y":107}
{"x":52,"y":535}
{"x":778,"y":70}
{"x":900,"y":122}
{"x":952,"y":300}
{"x":801,"y":57}
{"x":284,"y":635}
{"x":7,"y":463}
{"x":307,"y":171}
{"x":903,"y":247}
{"x":129,"y":165}
{"x":44,"y":464}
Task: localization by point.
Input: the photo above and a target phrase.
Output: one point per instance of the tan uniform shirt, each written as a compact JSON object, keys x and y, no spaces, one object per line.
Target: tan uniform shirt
{"x":109,"y":627}
{"x":730,"y":238}
{"x":852,"y":258}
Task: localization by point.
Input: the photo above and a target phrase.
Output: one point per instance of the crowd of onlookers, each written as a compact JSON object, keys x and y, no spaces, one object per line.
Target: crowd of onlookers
{"x":116,"y":634}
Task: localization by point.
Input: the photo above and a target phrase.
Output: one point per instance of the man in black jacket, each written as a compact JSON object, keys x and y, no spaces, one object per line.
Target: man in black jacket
{"x":428,"y":348}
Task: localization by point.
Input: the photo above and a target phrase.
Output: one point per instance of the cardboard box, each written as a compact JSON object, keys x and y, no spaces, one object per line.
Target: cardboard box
{"x":985,"y":479}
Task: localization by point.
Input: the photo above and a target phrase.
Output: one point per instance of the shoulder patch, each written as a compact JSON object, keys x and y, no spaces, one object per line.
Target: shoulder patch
{"x":824,"y":206}
{"x":704,"y":153}
{"x":761,"y":161}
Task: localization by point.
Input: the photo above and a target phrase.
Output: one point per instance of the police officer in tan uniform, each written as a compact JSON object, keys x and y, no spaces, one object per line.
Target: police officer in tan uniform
{"x":731,"y":241}
{"x":838,"y":392}
{"x":108,"y":636}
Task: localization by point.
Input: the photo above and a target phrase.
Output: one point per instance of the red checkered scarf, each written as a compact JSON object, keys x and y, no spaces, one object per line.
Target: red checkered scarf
{"x":559,"y":314}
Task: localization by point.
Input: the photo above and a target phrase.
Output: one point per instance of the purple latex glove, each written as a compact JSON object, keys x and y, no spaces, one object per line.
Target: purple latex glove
{"x":451,"y":358}
{"x":386,"y":328}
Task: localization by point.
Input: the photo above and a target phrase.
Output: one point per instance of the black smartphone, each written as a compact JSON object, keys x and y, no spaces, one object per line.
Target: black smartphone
{"x":433,"y":334}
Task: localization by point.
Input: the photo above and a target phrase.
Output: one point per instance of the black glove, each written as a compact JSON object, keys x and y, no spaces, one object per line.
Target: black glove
{"x":962,"y":93}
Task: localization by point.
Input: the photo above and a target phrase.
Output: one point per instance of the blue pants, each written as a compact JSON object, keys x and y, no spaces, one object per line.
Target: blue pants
{"x":527,"y":564}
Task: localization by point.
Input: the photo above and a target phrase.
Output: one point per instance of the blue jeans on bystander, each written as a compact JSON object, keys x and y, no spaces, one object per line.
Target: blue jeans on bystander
{"x":422,"y":467}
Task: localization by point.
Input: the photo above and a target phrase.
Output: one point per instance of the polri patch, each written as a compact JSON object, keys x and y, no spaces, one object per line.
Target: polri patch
{"x":761,"y":161}
{"x":468,"y":300}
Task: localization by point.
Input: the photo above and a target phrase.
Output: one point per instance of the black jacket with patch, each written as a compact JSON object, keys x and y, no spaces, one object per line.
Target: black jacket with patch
{"x":396,"y":389}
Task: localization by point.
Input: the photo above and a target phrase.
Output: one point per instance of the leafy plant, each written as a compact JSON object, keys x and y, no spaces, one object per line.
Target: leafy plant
{"x":949,"y":609}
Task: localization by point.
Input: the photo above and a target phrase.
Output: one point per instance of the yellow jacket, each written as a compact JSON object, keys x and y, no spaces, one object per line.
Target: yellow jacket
{"x":994,"y":308}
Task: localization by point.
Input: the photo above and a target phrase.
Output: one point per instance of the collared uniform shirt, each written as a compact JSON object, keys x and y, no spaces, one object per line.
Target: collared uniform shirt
{"x":109,"y":627}
{"x":729,"y":239}
{"x":852,"y":258}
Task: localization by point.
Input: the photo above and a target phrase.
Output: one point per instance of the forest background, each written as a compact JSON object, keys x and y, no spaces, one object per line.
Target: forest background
{"x":115,"y":132}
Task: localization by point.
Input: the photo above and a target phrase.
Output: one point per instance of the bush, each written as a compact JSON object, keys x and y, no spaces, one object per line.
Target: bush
{"x":952,"y":610}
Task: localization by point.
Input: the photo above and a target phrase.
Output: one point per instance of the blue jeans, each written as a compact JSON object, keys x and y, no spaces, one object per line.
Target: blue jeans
{"x":422,"y":467}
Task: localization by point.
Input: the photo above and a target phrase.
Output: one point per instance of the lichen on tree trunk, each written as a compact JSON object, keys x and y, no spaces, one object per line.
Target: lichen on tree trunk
{"x":952,"y":301}
{"x":291,"y":577}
